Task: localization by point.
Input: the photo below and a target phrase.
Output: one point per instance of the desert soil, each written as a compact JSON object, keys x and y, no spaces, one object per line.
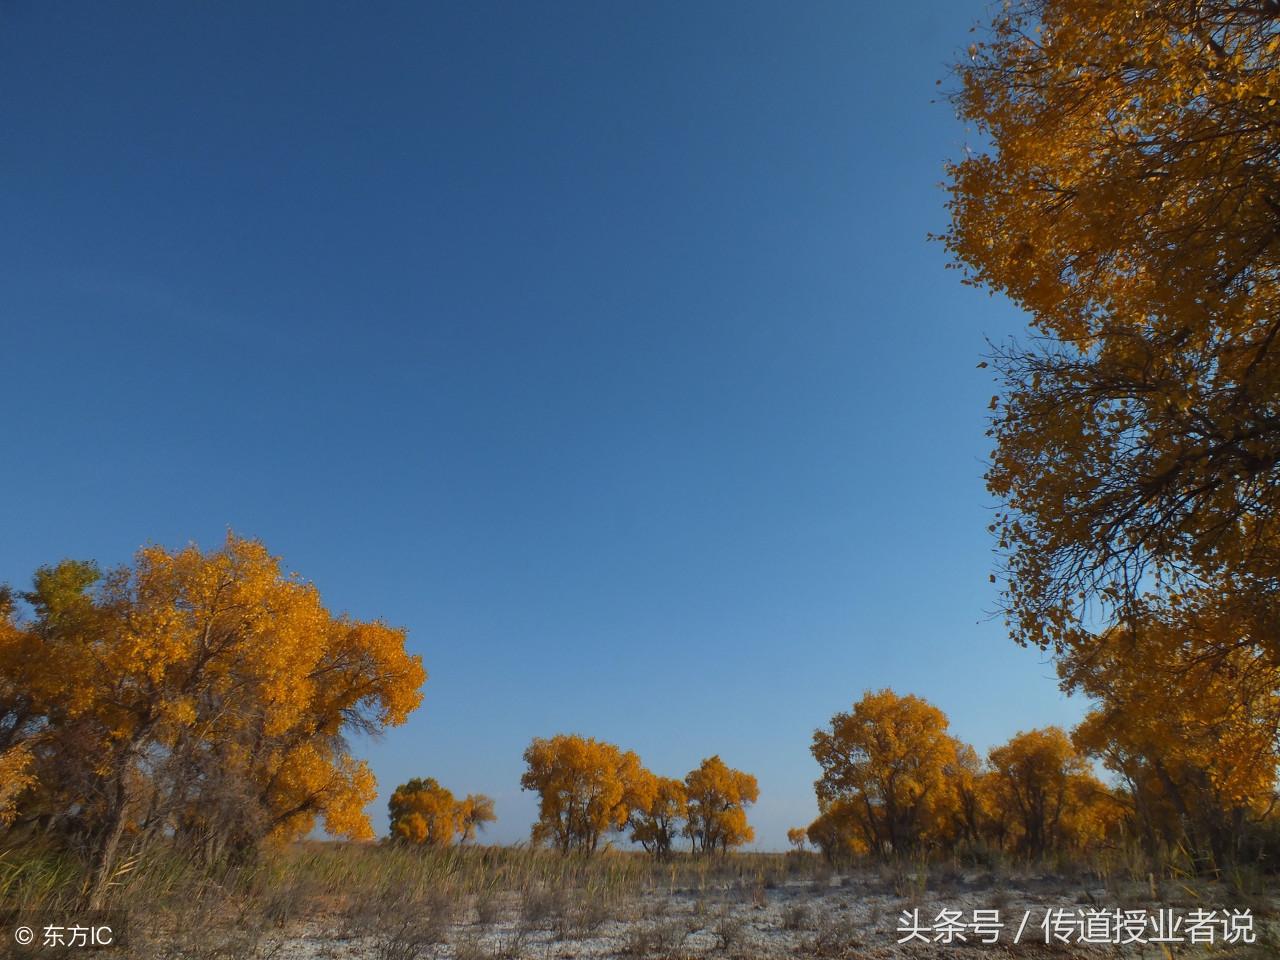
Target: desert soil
{"x":847,"y":916}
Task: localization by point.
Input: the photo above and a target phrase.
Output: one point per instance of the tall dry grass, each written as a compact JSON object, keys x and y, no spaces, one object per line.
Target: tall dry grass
{"x":402,"y":900}
{"x":487,"y":903}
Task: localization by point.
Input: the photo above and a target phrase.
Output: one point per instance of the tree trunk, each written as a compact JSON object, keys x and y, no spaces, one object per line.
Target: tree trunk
{"x":105,"y":860}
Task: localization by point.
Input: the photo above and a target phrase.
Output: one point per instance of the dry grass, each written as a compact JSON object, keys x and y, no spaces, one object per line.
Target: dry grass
{"x":377,"y":902}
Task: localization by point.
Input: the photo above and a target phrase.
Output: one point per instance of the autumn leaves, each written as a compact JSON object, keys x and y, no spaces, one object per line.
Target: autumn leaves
{"x":895,"y":782}
{"x":426,"y":814}
{"x":1127,"y":200}
{"x":1188,"y":730}
{"x":199,"y":698}
{"x":587,"y":788}
{"x":1125,"y":196}
{"x":203,"y":699}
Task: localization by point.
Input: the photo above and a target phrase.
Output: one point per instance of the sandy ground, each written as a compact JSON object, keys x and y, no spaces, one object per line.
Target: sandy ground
{"x":844,"y":917}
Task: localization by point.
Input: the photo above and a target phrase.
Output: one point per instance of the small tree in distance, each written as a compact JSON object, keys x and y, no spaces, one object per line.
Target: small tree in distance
{"x":718,"y":801}
{"x":586,"y":788}
{"x":475,"y":812}
{"x":885,"y":763}
{"x":425,"y":813}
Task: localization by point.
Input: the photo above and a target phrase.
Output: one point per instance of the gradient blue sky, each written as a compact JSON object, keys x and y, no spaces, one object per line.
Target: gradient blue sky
{"x":600,"y":345}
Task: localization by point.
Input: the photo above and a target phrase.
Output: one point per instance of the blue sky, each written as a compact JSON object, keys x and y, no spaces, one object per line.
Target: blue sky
{"x":600,"y":345}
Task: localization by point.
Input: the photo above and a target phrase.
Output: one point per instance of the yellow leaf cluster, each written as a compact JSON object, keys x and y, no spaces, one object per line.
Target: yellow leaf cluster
{"x":588,"y":788}
{"x":206,"y":690}
{"x":895,"y":781}
{"x":1124,"y":195}
{"x":425,"y":813}
{"x":1189,"y":728}
{"x":16,"y":776}
{"x":718,"y":797}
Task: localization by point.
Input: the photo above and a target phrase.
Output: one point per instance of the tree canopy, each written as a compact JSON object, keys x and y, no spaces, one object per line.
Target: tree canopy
{"x":884,"y":764}
{"x":586,"y":788}
{"x":424,"y":813}
{"x":718,"y":799}
{"x":197,"y":694}
{"x":1125,"y":194}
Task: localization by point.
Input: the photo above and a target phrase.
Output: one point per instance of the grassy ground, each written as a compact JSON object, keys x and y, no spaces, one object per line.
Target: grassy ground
{"x":372,"y":902}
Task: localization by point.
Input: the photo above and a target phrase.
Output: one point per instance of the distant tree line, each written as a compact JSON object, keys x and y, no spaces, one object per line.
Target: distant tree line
{"x":202,"y":699}
{"x":1190,"y":773}
{"x":587,"y":791}
{"x":588,"y":788}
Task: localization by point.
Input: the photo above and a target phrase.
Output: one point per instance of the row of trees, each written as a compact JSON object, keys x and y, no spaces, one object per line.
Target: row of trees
{"x":588,"y":788}
{"x":204,"y":698}
{"x":1189,"y":730}
{"x":895,"y":781}
{"x":195,"y":697}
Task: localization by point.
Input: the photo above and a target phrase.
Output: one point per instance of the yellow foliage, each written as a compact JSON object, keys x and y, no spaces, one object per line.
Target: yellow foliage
{"x":654,"y":824}
{"x":971,"y":806}
{"x":1124,"y":195}
{"x":586,"y":788}
{"x":475,"y":812}
{"x":718,"y":797}
{"x":16,"y":777}
{"x":1190,"y":720}
{"x":220,"y":663}
{"x":886,"y":765}
{"x":838,"y":831}
{"x":1044,"y":782}
{"x":423,"y":812}
{"x":1126,"y":199}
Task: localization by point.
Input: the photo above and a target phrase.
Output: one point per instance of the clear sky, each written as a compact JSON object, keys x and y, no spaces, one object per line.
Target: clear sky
{"x":599,"y":345}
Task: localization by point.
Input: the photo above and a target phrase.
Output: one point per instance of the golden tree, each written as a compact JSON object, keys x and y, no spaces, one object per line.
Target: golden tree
{"x":837,"y":831}
{"x":1195,"y":743}
{"x":586,"y":788}
{"x":797,"y":837}
{"x":884,"y":768}
{"x":199,"y":695}
{"x":1047,"y":785}
{"x":971,"y":795}
{"x":656,"y":824}
{"x":1125,"y":194}
{"x":718,"y":797}
{"x":20,"y":721}
{"x":475,"y":812}
{"x":425,"y":813}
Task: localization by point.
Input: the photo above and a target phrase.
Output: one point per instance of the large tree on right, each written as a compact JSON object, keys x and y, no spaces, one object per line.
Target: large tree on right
{"x":1125,"y":191}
